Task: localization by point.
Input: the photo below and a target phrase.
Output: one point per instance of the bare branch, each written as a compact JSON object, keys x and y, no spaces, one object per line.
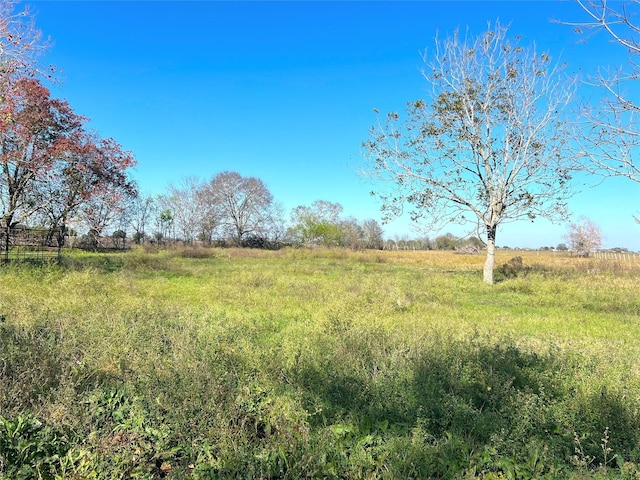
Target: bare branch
{"x":610,"y":136}
{"x":21,"y":43}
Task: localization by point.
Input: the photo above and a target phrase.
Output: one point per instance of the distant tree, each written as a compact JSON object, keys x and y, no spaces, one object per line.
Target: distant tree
{"x":490,"y":143}
{"x":584,"y":237}
{"x":141,"y":210}
{"x":119,"y":239}
{"x":562,"y":247}
{"x":427,"y":244}
{"x":352,"y":234}
{"x":471,"y":245}
{"x":245,"y":204}
{"x":119,"y":225}
{"x":164,"y":223}
{"x":189,"y":207}
{"x":619,"y":250}
{"x":327,"y":211}
{"x":210,"y":217}
{"x":475,"y":241}
{"x":446,"y":242}
{"x":271,"y":233}
{"x":372,"y":234}
{"x":317,"y":224}
{"x":275,"y":227}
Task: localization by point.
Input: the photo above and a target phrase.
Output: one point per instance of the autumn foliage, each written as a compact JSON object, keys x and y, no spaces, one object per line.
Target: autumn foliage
{"x":52,"y":168}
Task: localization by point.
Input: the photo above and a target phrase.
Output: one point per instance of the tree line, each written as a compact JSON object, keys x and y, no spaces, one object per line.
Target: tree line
{"x":232,"y":210}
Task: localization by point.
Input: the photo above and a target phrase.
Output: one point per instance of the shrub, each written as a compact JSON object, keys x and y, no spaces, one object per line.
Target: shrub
{"x":511,"y":269}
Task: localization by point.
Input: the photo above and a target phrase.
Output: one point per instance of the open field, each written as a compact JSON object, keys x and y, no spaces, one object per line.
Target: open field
{"x":319,"y":364}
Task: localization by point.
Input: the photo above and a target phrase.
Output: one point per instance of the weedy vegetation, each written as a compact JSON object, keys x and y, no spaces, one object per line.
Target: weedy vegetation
{"x":319,"y":364}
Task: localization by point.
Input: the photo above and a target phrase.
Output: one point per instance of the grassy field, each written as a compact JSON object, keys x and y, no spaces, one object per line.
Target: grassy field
{"x":319,"y":364}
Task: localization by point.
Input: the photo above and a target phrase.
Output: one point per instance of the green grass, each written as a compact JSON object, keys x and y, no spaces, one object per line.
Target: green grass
{"x":318,"y":364}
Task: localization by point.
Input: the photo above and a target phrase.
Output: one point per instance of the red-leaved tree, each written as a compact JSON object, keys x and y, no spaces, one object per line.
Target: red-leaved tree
{"x":50,"y":166}
{"x":86,"y":169}
{"x":35,"y":130}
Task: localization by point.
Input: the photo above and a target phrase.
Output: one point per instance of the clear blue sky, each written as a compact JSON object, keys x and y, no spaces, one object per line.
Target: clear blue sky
{"x":285,"y":91}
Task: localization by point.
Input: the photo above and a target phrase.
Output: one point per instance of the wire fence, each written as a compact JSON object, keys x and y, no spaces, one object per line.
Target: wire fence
{"x":28,"y":244}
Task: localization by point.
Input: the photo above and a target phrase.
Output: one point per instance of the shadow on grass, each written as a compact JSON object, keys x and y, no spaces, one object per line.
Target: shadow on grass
{"x":34,"y":363}
{"x":474,"y":406}
{"x":31,"y":365}
{"x":373,"y":408}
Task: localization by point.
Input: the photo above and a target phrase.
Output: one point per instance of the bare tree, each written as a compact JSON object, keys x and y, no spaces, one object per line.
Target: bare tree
{"x":584,"y":237}
{"x":488,"y":146}
{"x":21,"y":42}
{"x":186,"y":203}
{"x":372,"y":232}
{"x":352,"y":234}
{"x":273,"y":230}
{"x":210,"y":215}
{"x":141,"y":210}
{"x":245,"y":204}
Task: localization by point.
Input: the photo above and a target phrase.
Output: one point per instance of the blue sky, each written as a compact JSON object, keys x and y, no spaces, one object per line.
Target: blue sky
{"x":285,"y":91}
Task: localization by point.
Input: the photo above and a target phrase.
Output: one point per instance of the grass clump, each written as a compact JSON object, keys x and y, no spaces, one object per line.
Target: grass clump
{"x":316,"y":364}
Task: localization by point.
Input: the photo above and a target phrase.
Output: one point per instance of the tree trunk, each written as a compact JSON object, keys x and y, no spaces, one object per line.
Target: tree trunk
{"x":487,"y":272}
{"x":60,"y":234}
{"x":5,"y":247}
{"x":5,"y":223}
